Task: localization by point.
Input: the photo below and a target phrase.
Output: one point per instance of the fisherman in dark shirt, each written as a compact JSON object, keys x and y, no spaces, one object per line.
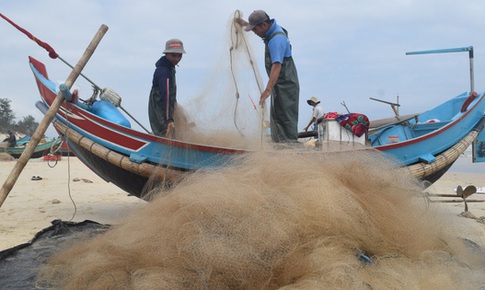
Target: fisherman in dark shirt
{"x":163,"y":95}
{"x":11,"y":139}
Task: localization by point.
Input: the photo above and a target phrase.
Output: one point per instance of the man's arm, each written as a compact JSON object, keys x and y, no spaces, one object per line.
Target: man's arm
{"x":164,"y":85}
{"x":273,"y":77}
{"x":311,"y":122}
{"x":241,"y":22}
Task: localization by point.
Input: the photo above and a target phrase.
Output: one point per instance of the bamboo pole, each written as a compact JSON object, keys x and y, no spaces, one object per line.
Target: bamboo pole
{"x":49,"y":116}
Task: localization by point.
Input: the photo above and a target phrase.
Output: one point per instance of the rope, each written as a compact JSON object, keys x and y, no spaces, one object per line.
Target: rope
{"x":235,"y":32}
{"x":69,"y":177}
{"x":237,"y":27}
{"x":69,"y":187}
{"x":52,"y":152}
{"x":54,"y":149}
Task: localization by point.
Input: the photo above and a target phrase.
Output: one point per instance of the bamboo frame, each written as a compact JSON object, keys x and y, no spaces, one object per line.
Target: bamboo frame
{"x":421,"y":170}
{"x":143,"y":169}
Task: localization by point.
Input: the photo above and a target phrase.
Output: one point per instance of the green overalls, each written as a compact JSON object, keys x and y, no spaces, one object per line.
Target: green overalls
{"x":284,"y":99}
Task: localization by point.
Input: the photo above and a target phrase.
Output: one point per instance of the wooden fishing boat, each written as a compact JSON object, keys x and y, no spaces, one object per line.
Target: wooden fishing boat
{"x":43,"y":148}
{"x":426,"y":144}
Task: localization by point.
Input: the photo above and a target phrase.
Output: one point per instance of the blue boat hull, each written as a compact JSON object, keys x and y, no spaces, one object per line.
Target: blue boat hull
{"x":430,"y":133}
{"x":132,"y":159}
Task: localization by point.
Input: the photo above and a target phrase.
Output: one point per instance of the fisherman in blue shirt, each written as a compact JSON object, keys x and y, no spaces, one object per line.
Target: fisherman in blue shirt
{"x":283,"y":85}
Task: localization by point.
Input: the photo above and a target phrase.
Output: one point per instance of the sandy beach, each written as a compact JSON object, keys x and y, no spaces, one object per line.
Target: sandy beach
{"x":33,"y":204}
{"x":352,"y":212}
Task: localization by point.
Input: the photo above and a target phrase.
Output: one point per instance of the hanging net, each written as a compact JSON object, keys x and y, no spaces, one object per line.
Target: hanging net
{"x":227,"y":111}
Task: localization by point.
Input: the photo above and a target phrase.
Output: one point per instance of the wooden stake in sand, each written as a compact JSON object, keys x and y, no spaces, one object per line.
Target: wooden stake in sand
{"x":49,"y":116}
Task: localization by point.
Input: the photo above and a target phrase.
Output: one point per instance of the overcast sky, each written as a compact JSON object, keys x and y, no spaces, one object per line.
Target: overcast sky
{"x":345,"y":51}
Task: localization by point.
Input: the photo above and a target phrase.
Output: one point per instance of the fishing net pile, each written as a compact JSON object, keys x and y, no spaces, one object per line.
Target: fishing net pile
{"x":278,"y":220}
{"x":226,"y":112}
{"x":271,"y":220}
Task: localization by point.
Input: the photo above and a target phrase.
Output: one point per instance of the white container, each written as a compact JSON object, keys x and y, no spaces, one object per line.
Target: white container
{"x":335,"y":132}
{"x":392,"y":139}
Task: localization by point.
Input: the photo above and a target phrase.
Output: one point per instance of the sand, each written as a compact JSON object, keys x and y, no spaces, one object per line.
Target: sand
{"x":33,"y":204}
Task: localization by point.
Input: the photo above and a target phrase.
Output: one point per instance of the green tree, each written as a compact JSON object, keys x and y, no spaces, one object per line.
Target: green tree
{"x":7,"y":116}
{"x":27,"y":125}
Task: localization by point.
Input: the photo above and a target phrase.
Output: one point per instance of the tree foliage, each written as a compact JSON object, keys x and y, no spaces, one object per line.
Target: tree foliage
{"x":7,"y":116}
{"x":25,"y":126}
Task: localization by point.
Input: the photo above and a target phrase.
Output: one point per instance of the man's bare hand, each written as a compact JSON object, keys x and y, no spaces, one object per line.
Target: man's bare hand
{"x":170,"y":127}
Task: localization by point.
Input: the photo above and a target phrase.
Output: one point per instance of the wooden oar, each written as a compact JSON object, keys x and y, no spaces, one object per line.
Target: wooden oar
{"x":49,"y":116}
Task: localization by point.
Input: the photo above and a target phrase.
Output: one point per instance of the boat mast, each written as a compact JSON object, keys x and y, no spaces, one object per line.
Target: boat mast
{"x":459,"y":49}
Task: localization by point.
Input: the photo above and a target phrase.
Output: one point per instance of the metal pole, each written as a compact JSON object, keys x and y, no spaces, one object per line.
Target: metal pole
{"x":69,"y":65}
{"x":458,"y":49}
{"x":472,"y":78}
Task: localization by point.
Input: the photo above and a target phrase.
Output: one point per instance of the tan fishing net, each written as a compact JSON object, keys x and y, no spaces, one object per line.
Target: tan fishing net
{"x":278,"y":220}
{"x":273,"y":220}
{"x":227,"y":112}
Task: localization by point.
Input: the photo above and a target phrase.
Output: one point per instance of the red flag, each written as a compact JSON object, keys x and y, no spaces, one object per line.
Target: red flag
{"x":52,"y":53}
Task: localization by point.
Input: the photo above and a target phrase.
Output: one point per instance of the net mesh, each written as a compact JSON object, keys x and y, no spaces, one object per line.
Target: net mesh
{"x":274,"y":219}
{"x":285,"y":220}
{"x":226,"y":111}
